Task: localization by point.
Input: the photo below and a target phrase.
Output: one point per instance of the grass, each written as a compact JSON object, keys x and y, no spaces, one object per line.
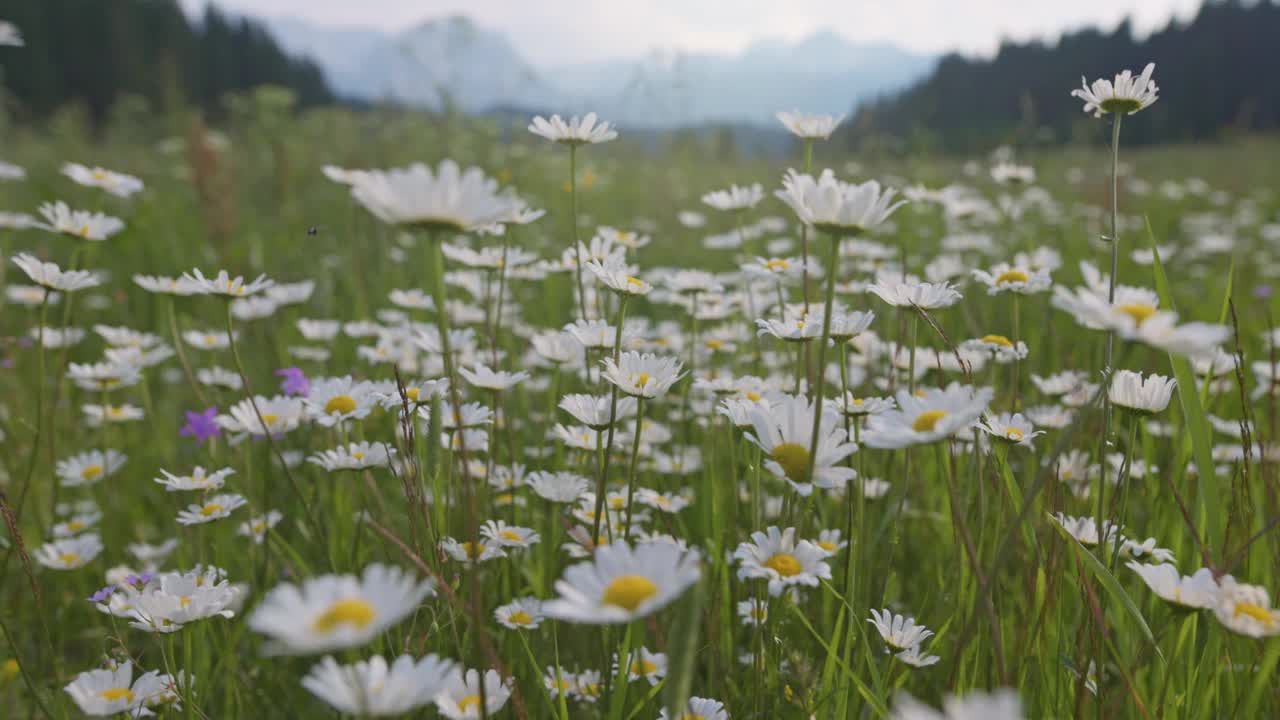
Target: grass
{"x":961,"y":540}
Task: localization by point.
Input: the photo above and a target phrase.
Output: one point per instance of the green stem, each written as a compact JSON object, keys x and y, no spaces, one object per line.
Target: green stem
{"x":819,"y":371}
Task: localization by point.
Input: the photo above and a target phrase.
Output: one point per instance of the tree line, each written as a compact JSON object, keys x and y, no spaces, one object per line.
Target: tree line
{"x":93,"y":52}
{"x":1214,"y":72}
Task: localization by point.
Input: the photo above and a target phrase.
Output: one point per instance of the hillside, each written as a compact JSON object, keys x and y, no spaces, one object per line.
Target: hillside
{"x":1207,"y":71}
{"x":93,"y":52}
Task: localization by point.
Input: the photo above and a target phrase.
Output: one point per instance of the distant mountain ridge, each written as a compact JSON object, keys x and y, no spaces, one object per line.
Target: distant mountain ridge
{"x":453,"y":59}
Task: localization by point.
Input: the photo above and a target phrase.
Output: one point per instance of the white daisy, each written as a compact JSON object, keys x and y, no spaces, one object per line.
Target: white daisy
{"x":69,"y":553}
{"x":784,"y":431}
{"x":49,"y":275}
{"x":213,"y":508}
{"x":1145,"y":395}
{"x":224,"y":284}
{"x":1199,"y":590}
{"x":444,"y":198}
{"x":774,"y":555}
{"x":372,"y":688}
{"x":898,"y":632}
{"x":520,"y":614}
{"x":809,"y":127}
{"x":1125,"y":95}
{"x":836,"y":207}
{"x":926,"y":418}
{"x":197,"y":479}
{"x":1012,"y":428}
{"x":117,"y":184}
{"x":89,"y":467}
{"x":332,"y":612}
{"x":460,"y":698}
{"x":354,"y":456}
{"x":642,"y":375}
{"x":1246,"y":609}
{"x":621,"y":584}
{"x":79,"y":223}
{"x":577,"y":131}
{"x":735,"y":198}
{"x":1008,"y":278}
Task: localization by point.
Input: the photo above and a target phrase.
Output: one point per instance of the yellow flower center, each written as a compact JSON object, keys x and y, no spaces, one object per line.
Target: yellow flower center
{"x":634,"y":281}
{"x":69,"y":558}
{"x":778,"y":264}
{"x":91,"y":472}
{"x":270,"y":419}
{"x":794,"y":459}
{"x":352,"y":611}
{"x":473,"y":549}
{"x":468,"y":702}
{"x":828,"y":546}
{"x":84,"y":231}
{"x":858,"y":401}
{"x":643,"y":667}
{"x":114,"y":694}
{"x":1011,"y":276}
{"x":753,"y":396}
{"x":520,"y":617}
{"x":760,"y":613}
{"x":1013,"y":433}
{"x":210,"y":340}
{"x":412,"y":393}
{"x":211,"y":509}
{"x":75,"y":526}
{"x":1257,"y":612}
{"x":1000,"y":340}
{"x":714,"y":344}
{"x":628,"y":591}
{"x":784,"y":564}
{"x":643,"y":379}
{"x":1138,"y":311}
{"x":185,"y":600}
{"x":357,"y":456}
{"x":509,"y":535}
{"x":927,"y":420}
{"x":340,"y":405}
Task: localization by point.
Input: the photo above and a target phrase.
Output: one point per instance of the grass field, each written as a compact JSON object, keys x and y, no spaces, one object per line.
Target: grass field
{"x":932,"y":517}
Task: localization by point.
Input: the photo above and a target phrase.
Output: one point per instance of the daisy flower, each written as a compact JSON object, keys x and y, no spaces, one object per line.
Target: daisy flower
{"x":642,"y":375}
{"x":1125,"y":95}
{"x":279,"y":415}
{"x":784,"y":431}
{"x":615,"y":274}
{"x":808,"y":126}
{"x":257,"y":527}
{"x":594,"y":411}
{"x":225,"y":285}
{"x":1197,"y":591}
{"x":469,"y":553}
{"x":836,"y":207}
{"x":520,"y":614}
{"x":577,"y":131}
{"x":774,"y":555}
{"x":1085,"y":529}
{"x":928,"y":296}
{"x":174,"y":599}
{"x":197,"y":479}
{"x":333,"y":612}
{"x":444,"y":198}
{"x":1008,"y":278}
{"x":76,"y":524}
{"x":1011,"y":428}
{"x":78,"y":223}
{"x":372,"y":688}
{"x":1001,"y":704}
{"x":558,"y":487}
{"x":113,"y":691}
{"x":753,"y":612}
{"x":735,"y":198}
{"x":621,"y":584}
{"x":510,"y":536}
{"x":926,"y":418}
{"x":1007,"y":173}
{"x":917,"y":658}
{"x":96,"y":415}
{"x":664,"y":502}
{"x":697,"y":708}
{"x":165,"y":285}
{"x":1148,"y":395}
{"x":829,"y":542}
{"x":69,"y":553}
{"x":461,"y":697}
{"x":49,"y":275}
{"x":117,"y":184}
{"x":645,"y":665}
{"x":10,"y":36}
{"x":214,"y":508}
{"x":1002,"y":349}
{"x":1246,"y":609}
{"x":486,"y":379}
{"x":898,"y":632}
{"x":802,"y":328}
{"x":859,"y":406}
{"x":89,"y":467}
{"x":354,"y":456}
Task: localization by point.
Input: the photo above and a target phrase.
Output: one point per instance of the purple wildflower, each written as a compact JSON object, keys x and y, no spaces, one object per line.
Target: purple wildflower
{"x":1262,"y":292}
{"x":201,"y":425}
{"x":139,"y":580}
{"x":102,"y":595}
{"x":295,"y":381}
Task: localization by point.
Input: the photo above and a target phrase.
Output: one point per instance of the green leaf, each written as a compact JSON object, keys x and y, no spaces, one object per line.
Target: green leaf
{"x":863,"y":690}
{"x":1111,"y":584}
{"x":1209,"y":494}
{"x":682,"y":651}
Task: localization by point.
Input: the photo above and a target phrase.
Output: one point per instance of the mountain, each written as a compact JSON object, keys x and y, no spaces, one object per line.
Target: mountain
{"x":478,"y":70}
{"x":1204,"y":69}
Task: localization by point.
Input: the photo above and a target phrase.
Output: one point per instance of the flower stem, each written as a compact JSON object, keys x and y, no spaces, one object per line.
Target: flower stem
{"x":819,"y":371}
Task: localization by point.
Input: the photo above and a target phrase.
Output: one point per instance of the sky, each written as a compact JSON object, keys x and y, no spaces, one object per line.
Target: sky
{"x":555,"y":32}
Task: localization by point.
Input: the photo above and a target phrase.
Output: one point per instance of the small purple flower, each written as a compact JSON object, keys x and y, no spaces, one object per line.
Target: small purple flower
{"x":295,"y":381}
{"x":102,"y":595}
{"x":139,"y":580}
{"x":201,"y":425}
{"x":1262,"y":292}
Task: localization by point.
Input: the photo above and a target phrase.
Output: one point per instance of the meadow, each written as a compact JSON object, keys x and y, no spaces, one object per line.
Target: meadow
{"x":539,"y":439}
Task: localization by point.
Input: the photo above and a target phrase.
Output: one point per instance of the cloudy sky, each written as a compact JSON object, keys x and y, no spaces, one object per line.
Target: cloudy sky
{"x":549,"y":32}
